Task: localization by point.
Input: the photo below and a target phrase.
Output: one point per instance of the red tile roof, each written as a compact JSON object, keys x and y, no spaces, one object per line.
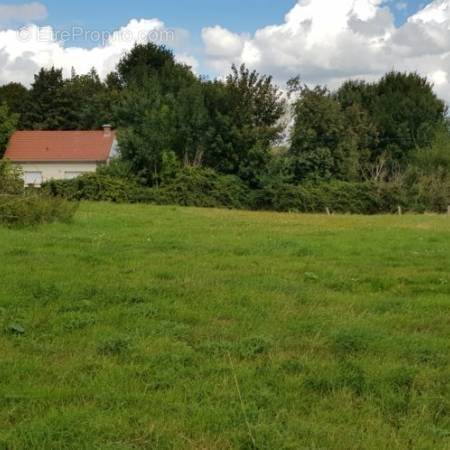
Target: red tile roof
{"x":55,"y":146}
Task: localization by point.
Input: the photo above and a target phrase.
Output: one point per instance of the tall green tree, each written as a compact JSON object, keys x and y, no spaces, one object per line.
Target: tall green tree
{"x":245,"y":111}
{"x":146,"y":130}
{"x":49,"y":106}
{"x":16,"y":97}
{"x":407,"y":113}
{"x":150,"y":61}
{"x":91,"y":99}
{"x":356,"y":92}
{"x":8,"y":123}
{"x":144,"y":61}
{"x":192,"y":125}
{"x":81,"y":102}
{"x":323,"y":146}
{"x":403,"y":108}
{"x":151,"y":71}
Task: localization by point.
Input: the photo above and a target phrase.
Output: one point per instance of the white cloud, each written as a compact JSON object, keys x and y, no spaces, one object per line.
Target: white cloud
{"x":24,"y":13}
{"x":439,"y":77}
{"x":24,"y":51}
{"x":437,"y":11}
{"x":323,"y":41}
{"x":328,"y":41}
{"x":222,"y":46}
{"x":222,"y":43}
{"x":189,"y":60}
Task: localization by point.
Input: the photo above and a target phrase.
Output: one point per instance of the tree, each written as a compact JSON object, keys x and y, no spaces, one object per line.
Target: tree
{"x":364,"y":136}
{"x":322,"y":145}
{"x":404,"y":110}
{"x":436,"y":158}
{"x":146,"y":130}
{"x":144,"y":60}
{"x":150,"y":61}
{"x":8,"y":123}
{"x":82,"y":102}
{"x":245,"y":112}
{"x":179,"y":122}
{"x":156,"y":127}
{"x":92,"y":100}
{"x":192,"y":125}
{"x":356,"y":92}
{"x":16,"y":97}
{"x":152,"y":71}
{"x":113,"y":82}
{"x":407,"y":113}
{"x":49,"y":106}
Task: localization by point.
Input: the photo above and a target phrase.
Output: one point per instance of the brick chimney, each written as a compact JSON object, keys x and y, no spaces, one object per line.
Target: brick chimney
{"x":107,"y":129}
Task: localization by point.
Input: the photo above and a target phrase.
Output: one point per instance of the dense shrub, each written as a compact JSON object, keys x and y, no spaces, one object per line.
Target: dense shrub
{"x":337,"y":196}
{"x":428,"y":192}
{"x":427,"y":180}
{"x":11,"y":181}
{"x":190,"y":187}
{"x":95,"y":187}
{"x":20,"y":208}
{"x":433,"y":193}
{"x":205,"y":188}
{"x":33,"y":209}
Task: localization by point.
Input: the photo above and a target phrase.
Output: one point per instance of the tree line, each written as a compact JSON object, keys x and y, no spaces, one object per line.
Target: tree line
{"x":244,"y":125}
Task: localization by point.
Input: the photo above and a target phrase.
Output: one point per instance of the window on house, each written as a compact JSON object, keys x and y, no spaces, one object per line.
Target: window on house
{"x":32,"y":178}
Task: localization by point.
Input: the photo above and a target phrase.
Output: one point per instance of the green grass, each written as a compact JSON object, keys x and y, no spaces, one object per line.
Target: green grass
{"x":140,"y":327}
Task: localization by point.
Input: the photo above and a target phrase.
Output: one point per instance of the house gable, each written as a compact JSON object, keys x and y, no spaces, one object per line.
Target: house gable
{"x":61,"y":146}
{"x":59,"y":155}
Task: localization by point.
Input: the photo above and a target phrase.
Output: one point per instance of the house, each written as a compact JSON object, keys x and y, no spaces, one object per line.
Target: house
{"x":60,"y":155}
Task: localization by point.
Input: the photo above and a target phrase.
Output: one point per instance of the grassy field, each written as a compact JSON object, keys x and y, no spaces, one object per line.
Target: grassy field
{"x":140,"y":327}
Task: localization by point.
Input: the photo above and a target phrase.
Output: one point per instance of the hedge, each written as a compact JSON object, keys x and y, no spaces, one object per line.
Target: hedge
{"x":190,"y":187}
{"x":336,"y":196}
{"x":206,"y":188}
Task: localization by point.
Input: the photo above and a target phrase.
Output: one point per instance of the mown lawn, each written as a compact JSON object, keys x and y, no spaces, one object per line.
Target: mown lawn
{"x":140,"y":327}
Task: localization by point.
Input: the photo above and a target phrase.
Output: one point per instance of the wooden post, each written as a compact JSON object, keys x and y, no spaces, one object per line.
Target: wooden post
{"x":400,"y":211}
{"x":327,"y":210}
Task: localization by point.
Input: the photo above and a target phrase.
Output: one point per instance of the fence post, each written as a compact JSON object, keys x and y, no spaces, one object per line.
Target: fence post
{"x":400,"y":211}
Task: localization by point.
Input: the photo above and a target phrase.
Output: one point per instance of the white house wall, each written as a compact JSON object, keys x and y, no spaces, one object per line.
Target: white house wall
{"x":114,"y":150}
{"x":56,"y":171}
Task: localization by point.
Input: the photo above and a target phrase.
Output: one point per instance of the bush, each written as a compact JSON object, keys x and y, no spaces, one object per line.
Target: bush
{"x":93,"y":186}
{"x":11,"y":181}
{"x":434,"y":193}
{"x":190,"y":187}
{"x":427,"y":180}
{"x":20,"y":208}
{"x":428,"y":192}
{"x":338,"y":196}
{"x":34,"y":209}
{"x":206,"y":188}
{"x":390,"y":196}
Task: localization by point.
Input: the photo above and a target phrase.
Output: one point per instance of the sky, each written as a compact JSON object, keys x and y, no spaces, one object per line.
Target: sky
{"x":322,"y":41}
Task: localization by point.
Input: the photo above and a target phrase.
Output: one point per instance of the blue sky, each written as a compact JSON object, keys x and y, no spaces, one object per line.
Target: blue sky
{"x":323,"y":41}
{"x":236,"y":15}
{"x":241,"y":16}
